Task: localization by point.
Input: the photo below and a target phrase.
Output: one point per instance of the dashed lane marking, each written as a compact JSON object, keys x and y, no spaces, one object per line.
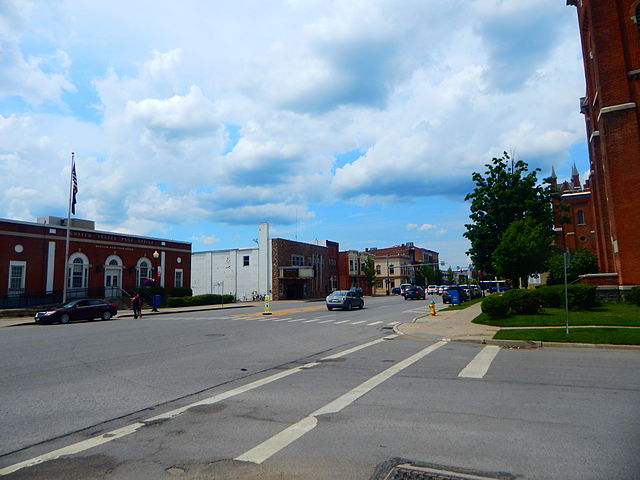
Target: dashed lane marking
{"x":281,"y":440}
{"x":285,"y":312}
{"x":478,"y":367}
{"x":374,"y":323}
{"x":342,"y":321}
{"x":310,"y":321}
{"x":121,"y":432}
{"x":358,"y":323}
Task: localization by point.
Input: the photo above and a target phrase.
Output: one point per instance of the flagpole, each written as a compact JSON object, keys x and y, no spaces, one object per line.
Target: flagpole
{"x":66,"y":246}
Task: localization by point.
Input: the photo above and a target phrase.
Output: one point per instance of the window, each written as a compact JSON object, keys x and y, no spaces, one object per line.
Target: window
{"x":177,"y":278}
{"x":144,"y":271}
{"x":351,"y":269}
{"x":580,"y":217}
{"x":78,"y":272}
{"x":378,"y":271}
{"x":245,"y":260}
{"x":391,"y":269}
{"x":638,"y":18}
{"x":297,"y":260}
{"x":379,"y":285}
{"x":17,"y":271}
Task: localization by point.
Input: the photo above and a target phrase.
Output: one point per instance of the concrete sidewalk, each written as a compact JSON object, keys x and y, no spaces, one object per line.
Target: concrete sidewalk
{"x":450,"y":325}
{"x":455,"y":325}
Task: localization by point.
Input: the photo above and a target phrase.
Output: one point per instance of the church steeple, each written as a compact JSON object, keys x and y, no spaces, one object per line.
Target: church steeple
{"x":554,"y":178}
{"x":575,"y":177}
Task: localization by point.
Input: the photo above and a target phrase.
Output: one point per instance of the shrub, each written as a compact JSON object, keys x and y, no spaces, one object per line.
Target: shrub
{"x":551,"y":296}
{"x":581,"y":297}
{"x":522,"y":301}
{"x":496,"y":306}
{"x":209,"y":299}
{"x":182,"y":292}
{"x":633,"y":296}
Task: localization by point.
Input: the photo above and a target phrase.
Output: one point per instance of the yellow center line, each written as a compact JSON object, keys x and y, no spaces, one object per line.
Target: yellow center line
{"x":284,"y":312}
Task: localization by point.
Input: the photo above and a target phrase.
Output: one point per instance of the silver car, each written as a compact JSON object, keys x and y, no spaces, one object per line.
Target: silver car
{"x":345,"y":299}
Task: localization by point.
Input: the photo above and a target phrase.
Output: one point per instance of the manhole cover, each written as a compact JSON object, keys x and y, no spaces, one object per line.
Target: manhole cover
{"x":403,"y":469}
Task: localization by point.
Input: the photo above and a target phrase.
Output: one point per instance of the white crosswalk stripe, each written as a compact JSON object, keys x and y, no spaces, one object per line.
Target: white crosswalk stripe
{"x":310,"y":321}
{"x":374,"y":323}
{"x":358,"y":323}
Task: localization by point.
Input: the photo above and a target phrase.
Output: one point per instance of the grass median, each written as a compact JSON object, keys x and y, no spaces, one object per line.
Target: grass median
{"x":595,"y":335}
{"x":606,"y":324}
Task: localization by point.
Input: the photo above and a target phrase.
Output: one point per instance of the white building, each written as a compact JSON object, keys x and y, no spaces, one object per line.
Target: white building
{"x":242,"y":272}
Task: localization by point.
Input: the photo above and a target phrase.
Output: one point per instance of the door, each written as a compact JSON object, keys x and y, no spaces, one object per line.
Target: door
{"x":112,"y":282}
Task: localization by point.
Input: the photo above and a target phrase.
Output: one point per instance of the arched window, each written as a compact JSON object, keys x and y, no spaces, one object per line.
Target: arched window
{"x":143,"y":271}
{"x":78,"y":274}
{"x":580,"y":217}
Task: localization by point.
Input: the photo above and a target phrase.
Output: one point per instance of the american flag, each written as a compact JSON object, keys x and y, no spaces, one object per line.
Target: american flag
{"x":74,"y":181}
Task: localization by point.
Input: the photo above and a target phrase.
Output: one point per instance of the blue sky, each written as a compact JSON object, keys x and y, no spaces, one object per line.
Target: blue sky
{"x":357,"y":121}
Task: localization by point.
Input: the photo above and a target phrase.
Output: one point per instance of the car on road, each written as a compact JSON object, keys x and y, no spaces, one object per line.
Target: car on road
{"x":414,"y":292}
{"x":395,"y":291}
{"x":80,"y":309}
{"x":345,"y":299}
{"x":432,"y":290}
{"x":403,"y":288}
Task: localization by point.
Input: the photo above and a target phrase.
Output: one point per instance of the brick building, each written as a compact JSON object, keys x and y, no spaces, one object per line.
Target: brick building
{"x":574,"y":214}
{"x":351,"y":264}
{"x":100,"y":263}
{"x":610,"y":36}
{"x":303,"y":270}
{"x":395,"y":265}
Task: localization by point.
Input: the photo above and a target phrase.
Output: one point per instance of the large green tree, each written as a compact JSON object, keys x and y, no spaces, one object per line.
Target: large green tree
{"x":506,"y":192}
{"x":523,"y":250}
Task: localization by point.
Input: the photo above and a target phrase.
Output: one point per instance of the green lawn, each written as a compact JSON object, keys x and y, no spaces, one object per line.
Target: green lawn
{"x":609,"y":314}
{"x":614,"y":336}
{"x":464,"y":305}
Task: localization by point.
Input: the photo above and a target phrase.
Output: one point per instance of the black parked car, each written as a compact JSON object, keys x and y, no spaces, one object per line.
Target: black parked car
{"x":414,"y":291}
{"x":83,"y":309}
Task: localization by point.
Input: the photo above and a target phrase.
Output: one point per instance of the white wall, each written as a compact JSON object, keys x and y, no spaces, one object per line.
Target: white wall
{"x":210,"y":269}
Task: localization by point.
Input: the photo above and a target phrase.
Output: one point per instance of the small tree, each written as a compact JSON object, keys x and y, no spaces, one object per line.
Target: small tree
{"x":523,"y":250}
{"x":450,"y":276}
{"x":581,"y":262}
{"x":369,"y":272}
{"x":425,"y":275}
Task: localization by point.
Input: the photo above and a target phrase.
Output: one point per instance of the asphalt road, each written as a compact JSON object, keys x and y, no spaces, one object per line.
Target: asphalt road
{"x":305,"y":394}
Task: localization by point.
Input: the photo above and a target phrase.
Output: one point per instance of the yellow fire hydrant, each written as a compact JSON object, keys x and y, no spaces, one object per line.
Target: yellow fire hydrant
{"x":432,"y":307}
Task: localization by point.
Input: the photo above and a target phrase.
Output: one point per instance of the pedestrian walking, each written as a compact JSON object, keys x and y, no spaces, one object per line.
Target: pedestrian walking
{"x":136,"y":305}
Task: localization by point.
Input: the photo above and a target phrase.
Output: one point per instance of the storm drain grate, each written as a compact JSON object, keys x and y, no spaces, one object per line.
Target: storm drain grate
{"x":403,"y":469}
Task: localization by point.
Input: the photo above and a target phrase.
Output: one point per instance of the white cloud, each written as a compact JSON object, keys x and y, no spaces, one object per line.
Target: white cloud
{"x":209,"y":123}
{"x":205,"y":239}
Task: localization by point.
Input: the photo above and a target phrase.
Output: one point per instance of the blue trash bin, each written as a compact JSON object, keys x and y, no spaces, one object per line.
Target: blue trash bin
{"x":157,"y":300}
{"x":455,"y":296}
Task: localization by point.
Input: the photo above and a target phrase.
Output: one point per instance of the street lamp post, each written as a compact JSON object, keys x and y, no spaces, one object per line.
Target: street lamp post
{"x":156,"y":256}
